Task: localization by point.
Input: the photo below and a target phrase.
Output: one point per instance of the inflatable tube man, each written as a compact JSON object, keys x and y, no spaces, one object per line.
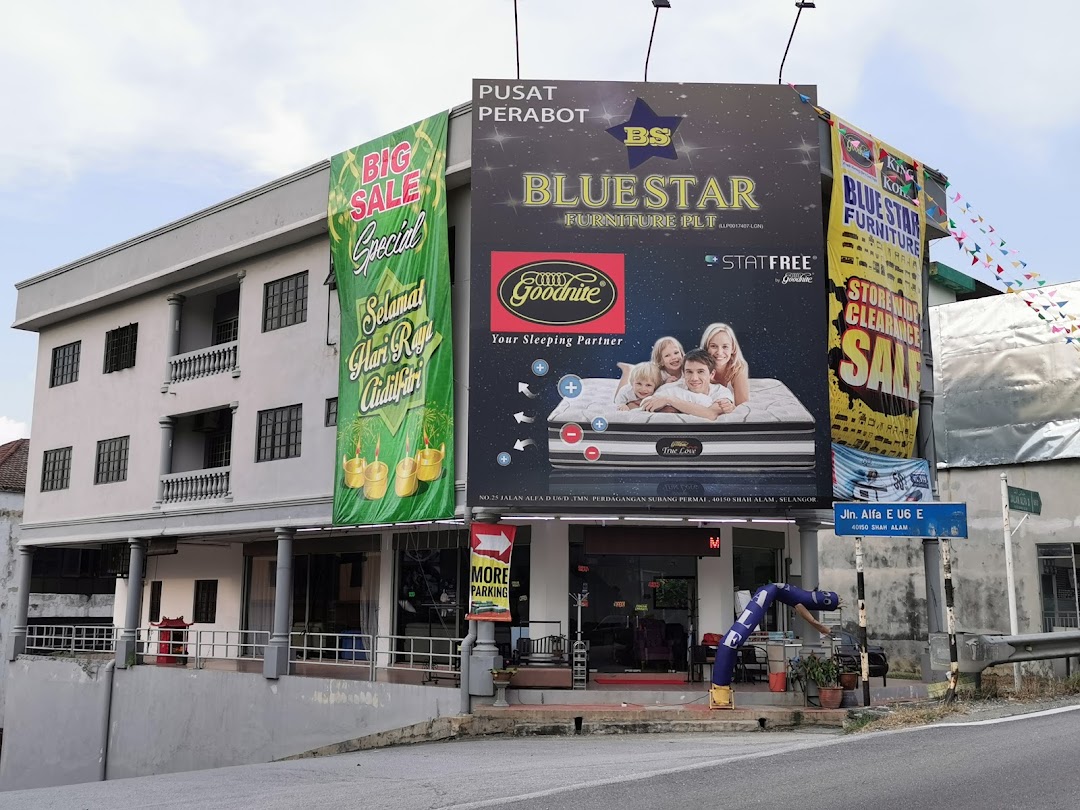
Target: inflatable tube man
{"x":724,"y":666}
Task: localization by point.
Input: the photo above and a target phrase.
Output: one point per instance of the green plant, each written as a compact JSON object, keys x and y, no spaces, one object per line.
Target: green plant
{"x":506,"y":673}
{"x":825,"y":672}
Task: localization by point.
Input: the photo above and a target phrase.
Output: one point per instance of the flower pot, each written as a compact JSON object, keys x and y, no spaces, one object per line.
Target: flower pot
{"x":777,"y":681}
{"x":830,"y":696}
{"x":849,"y":680}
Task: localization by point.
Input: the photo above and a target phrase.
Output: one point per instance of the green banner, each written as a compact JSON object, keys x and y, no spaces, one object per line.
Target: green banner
{"x":388,"y":247}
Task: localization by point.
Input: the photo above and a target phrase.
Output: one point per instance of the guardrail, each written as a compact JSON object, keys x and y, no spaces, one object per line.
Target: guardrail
{"x":78,"y":638}
{"x":977,"y":652}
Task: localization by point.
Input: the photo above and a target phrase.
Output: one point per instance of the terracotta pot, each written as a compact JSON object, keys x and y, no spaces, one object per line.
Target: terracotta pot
{"x":849,"y":680}
{"x":831,"y":696}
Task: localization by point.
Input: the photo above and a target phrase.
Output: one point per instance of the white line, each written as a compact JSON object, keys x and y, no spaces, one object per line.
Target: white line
{"x":636,"y":777}
{"x":1011,"y":718}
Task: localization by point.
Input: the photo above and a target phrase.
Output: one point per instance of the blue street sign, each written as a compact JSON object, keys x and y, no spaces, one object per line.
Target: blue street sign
{"x":905,"y":519}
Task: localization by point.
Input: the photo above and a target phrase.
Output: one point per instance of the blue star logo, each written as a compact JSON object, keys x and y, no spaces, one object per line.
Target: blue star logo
{"x":646,"y":134}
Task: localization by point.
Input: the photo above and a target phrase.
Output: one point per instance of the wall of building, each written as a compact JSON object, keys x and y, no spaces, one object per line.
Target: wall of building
{"x":165,"y":720}
{"x":71,"y":699}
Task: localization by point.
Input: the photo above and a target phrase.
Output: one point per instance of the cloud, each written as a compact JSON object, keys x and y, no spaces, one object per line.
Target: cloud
{"x":11,"y":430}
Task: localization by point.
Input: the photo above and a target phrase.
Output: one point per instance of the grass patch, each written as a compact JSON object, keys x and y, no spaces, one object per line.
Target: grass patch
{"x":997,"y":687}
{"x":899,"y":718}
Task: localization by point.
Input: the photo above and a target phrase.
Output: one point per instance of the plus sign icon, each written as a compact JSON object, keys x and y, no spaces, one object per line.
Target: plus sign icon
{"x":570,"y":386}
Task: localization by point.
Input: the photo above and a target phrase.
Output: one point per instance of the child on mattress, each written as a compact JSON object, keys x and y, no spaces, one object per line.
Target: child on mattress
{"x":694,"y":394}
{"x":666,"y":358}
{"x":643,"y":380}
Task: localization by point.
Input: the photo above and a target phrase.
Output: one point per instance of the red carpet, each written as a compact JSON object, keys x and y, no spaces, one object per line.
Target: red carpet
{"x":658,"y":681}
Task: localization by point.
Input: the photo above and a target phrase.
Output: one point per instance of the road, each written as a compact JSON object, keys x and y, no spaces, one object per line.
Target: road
{"x":1022,"y":761}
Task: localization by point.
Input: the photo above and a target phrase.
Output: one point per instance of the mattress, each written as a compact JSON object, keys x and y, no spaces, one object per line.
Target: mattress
{"x":771,"y":431}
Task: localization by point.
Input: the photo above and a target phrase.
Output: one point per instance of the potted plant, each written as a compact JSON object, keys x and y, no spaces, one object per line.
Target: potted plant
{"x":823,"y":674}
{"x":501,"y":679}
{"x":849,"y":677}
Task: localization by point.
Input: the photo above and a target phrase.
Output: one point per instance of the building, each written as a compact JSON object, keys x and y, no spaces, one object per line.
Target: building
{"x":203,"y":458}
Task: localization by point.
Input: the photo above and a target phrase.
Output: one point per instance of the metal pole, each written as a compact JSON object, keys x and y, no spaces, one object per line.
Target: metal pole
{"x":950,"y":618}
{"x":1010,"y":580}
{"x":861,"y":593}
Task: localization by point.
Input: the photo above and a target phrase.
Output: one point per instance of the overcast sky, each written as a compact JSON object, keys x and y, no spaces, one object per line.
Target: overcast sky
{"x":119,"y":117}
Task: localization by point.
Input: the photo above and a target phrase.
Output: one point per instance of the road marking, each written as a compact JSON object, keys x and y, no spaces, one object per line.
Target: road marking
{"x":1009,"y":719}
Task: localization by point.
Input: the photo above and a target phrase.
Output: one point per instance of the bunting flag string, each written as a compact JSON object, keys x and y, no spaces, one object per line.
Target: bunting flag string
{"x":1047,"y":305}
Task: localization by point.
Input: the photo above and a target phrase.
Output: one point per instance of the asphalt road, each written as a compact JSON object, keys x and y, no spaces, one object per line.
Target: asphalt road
{"x":1027,"y":761}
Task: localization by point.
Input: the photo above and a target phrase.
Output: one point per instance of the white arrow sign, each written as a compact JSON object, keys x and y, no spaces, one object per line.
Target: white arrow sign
{"x":523,"y":388}
{"x":521,"y":444}
{"x":497,"y":543}
{"x":521,"y":417}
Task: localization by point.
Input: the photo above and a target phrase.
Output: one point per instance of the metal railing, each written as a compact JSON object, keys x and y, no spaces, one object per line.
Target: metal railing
{"x":167,"y":645}
{"x":67,"y":638}
{"x":330,"y":648}
{"x":1061,"y":620}
{"x":434,"y":656}
{"x":196,"y":485}
{"x":203,"y":362}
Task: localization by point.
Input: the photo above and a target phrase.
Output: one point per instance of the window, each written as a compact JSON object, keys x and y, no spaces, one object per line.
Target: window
{"x":120,"y":348}
{"x":279,"y":433}
{"x":112,"y":460}
{"x":227,"y":330}
{"x":205,"y":611}
{"x":65,"y":364}
{"x":155,"y":601}
{"x":1058,"y":581}
{"x":218,"y":445}
{"x":331,"y":412}
{"x":56,"y":469}
{"x":72,"y":571}
{"x":285,"y":302}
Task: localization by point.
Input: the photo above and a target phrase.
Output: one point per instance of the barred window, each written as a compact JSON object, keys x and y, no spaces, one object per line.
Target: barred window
{"x":65,"y":364}
{"x":331,"y":412}
{"x":205,"y":611}
{"x":279,"y":433}
{"x":112,"y":460}
{"x":218,"y":449}
{"x":225,"y":331}
{"x":285,"y":302}
{"x":56,"y":469}
{"x":155,"y":601}
{"x":120,"y":348}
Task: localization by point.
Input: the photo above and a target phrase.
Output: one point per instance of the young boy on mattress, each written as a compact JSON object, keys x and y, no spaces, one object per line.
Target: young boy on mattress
{"x":695,"y":393}
{"x":643,"y":380}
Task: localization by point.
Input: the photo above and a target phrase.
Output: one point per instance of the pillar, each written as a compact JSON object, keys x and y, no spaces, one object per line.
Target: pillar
{"x":176,"y":307}
{"x":276,"y":659}
{"x":808,"y":562}
{"x":240,"y":282}
{"x":24,"y":565}
{"x":167,"y":424}
{"x":126,"y":644}
{"x":485,"y":655}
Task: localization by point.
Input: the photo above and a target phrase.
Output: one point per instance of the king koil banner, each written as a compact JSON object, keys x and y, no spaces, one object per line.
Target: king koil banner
{"x":877,"y":234}
{"x":648,"y":298}
{"x":388,"y":243}
{"x":491,"y":546}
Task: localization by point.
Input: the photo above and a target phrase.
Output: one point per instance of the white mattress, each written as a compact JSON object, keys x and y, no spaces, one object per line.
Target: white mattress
{"x":772,"y":430}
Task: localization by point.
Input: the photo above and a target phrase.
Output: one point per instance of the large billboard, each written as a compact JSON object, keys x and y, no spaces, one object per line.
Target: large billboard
{"x":648,"y":325}
{"x":877,"y":234}
{"x":388,"y":247}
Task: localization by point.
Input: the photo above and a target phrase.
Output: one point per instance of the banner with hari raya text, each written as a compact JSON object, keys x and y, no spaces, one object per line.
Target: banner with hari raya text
{"x":388,"y":247}
{"x":876,"y":239}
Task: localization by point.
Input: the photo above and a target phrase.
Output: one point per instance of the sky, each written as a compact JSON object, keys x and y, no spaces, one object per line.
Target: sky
{"x":119,"y":117}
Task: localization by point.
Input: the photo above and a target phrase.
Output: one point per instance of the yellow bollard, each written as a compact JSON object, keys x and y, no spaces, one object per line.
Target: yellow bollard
{"x":720,"y":697}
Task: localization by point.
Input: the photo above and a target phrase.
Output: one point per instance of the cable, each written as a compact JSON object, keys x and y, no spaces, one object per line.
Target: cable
{"x":657,"y":4}
{"x":799,"y":5}
{"x":517,"y":46}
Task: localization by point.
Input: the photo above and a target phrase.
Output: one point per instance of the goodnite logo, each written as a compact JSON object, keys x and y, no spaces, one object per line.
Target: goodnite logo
{"x":797,"y":278}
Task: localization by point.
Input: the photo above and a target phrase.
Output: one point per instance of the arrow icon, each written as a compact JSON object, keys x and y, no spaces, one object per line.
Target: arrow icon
{"x":523,"y":388}
{"x":521,"y":417}
{"x":497,"y":543}
{"x":521,"y":444}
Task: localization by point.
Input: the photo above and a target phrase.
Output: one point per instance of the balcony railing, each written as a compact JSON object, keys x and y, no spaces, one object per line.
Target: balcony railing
{"x":203,"y":362}
{"x":196,"y":485}
{"x":72,"y":639}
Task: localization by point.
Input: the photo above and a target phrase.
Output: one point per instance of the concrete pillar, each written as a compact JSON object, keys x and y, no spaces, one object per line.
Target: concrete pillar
{"x":240,"y":280}
{"x":172,"y":339}
{"x":24,"y":565}
{"x":485,"y":655}
{"x":126,"y":645}
{"x":167,"y":424}
{"x":276,"y":660}
{"x":808,"y":565}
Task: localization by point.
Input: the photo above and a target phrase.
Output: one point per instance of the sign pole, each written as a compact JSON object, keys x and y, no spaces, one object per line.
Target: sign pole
{"x":1010,"y":580}
{"x":861,"y":593}
{"x":950,"y":618}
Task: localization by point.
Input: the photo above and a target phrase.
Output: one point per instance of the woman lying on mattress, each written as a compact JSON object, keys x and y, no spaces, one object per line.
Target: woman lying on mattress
{"x":731,"y":370}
